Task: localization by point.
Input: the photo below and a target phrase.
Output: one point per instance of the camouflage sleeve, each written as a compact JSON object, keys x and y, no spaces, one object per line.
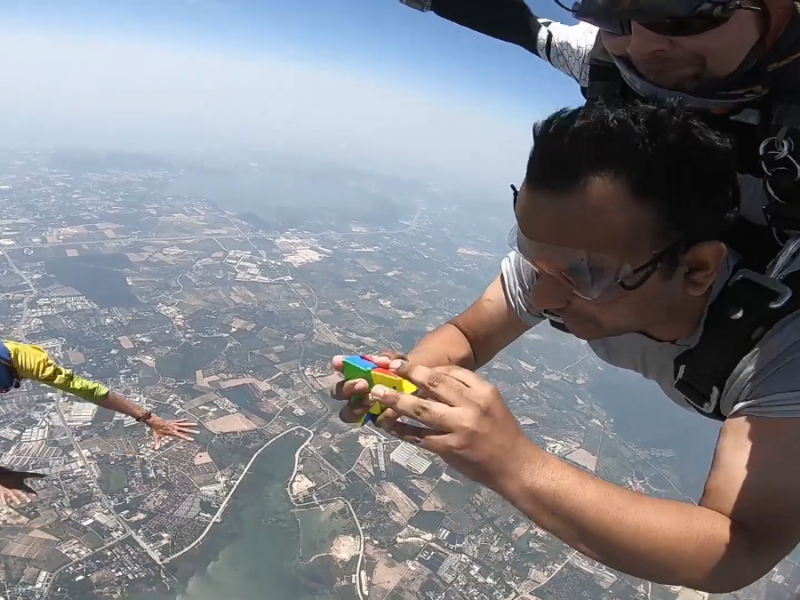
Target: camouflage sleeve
{"x":567,"y":47}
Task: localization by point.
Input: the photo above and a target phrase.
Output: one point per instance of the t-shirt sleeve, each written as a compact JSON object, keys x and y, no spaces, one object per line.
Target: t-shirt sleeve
{"x":567,"y":47}
{"x":767,"y":382}
{"x":518,"y":278}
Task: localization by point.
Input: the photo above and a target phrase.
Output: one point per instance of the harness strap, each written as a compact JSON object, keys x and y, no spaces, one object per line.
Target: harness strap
{"x":604,"y":81}
{"x":747,"y":308}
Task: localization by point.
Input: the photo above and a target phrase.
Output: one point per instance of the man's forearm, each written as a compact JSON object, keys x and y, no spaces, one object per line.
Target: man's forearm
{"x":663,"y":541}
{"x":445,"y":345}
{"x":117,"y":403}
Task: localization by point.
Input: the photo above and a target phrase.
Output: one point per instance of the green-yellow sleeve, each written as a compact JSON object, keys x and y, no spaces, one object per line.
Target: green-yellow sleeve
{"x":90,"y":391}
{"x":32,"y":362}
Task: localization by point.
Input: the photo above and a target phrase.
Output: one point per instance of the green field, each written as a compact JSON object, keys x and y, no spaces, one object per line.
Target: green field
{"x":183,"y":362}
{"x":113,"y":478}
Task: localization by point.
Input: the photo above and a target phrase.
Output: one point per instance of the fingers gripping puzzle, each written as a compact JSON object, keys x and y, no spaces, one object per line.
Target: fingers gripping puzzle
{"x":360,"y":367}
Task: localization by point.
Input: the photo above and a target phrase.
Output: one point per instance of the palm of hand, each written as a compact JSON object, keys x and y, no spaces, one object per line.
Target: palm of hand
{"x":13,"y":487}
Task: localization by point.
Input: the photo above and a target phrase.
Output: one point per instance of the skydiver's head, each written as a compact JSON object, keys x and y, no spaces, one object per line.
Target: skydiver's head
{"x":685,"y":62}
{"x":686,"y":53}
{"x":620,"y":215}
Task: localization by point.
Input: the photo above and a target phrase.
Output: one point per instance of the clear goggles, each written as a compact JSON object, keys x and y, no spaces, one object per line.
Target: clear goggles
{"x":590,"y":275}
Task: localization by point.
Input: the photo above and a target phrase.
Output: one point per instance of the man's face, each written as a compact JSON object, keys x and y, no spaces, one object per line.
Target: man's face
{"x":682,"y":63}
{"x":581,"y":237}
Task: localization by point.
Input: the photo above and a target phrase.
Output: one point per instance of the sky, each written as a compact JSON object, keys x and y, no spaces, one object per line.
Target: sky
{"x":367,"y":83}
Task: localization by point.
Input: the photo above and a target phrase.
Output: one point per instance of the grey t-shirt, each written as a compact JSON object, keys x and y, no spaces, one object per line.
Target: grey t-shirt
{"x":766,"y":382}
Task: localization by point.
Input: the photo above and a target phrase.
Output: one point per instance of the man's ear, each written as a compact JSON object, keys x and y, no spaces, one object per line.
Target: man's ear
{"x":701,"y":265}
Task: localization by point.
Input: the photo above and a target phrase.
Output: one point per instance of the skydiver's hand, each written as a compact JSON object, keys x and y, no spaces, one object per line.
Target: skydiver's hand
{"x":463,"y":419}
{"x":355,"y":391}
{"x":181,"y":429}
{"x":13,"y":489}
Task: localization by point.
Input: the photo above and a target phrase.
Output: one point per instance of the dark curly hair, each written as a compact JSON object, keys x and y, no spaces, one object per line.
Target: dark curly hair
{"x":671,"y":161}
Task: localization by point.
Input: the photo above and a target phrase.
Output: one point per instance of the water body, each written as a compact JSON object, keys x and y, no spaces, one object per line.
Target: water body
{"x":255,"y":553}
{"x":99,"y":277}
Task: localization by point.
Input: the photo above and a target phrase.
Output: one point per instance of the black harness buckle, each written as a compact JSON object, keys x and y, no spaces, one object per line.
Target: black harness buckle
{"x":750,"y":304}
{"x":699,"y":391}
{"x":783,"y":292}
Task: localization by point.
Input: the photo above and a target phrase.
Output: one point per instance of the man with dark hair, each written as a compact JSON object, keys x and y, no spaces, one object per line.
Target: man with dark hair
{"x":621,"y":221}
{"x":737,"y":62}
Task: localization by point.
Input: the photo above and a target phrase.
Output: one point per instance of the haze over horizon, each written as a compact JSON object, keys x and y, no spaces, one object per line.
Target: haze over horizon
{"x":377,"y":86}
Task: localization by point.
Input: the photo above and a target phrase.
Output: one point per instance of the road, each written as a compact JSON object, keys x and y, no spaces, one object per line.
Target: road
{"x":554,"y":573}
{"x":360,"y":580}
{"x":56,"y":573}
{"x":106,"y":502}
{"x":20,"y":332}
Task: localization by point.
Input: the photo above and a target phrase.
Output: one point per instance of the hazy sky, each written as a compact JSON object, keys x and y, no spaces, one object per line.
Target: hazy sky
{"x":367,"y":82}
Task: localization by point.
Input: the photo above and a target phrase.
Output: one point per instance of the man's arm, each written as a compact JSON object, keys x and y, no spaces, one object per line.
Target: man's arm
{"x":118,"y":403}
{"x":747,"y":521}
{"x":565,"y":47}
{"x":35,"y":364}
{"x":470,"y":340}
{"x":474,"y":337}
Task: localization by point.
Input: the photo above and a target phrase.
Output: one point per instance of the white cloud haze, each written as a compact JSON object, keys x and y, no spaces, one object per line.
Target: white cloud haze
{"x":60,"y":90}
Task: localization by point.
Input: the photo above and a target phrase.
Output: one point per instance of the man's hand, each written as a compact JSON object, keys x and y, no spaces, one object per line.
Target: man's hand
{"x":181,"y":429}
{"x":13,"y":489}
{"x":355,"y":391}
{"x":746,"y":521}
{"x":465,"y":421}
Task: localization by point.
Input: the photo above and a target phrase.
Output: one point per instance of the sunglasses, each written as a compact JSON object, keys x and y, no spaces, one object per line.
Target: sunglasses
{"x":618,"y":21}
{"x":682,"y":26}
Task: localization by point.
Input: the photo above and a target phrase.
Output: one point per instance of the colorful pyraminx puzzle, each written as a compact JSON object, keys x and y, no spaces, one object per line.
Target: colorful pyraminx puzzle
{"x":360,"y":367}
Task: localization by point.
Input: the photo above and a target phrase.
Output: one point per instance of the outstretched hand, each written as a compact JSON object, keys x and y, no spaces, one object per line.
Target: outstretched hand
{"x":182,"y":429}
{"x":13,"y":489}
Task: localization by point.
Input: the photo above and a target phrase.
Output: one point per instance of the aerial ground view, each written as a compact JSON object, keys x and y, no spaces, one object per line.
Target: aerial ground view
{"x":205,"y":201}
{"x":115,"y":267}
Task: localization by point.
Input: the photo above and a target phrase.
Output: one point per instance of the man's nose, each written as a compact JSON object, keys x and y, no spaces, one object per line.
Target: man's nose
{"x":643,"y":42}
{"x":549,"y":293}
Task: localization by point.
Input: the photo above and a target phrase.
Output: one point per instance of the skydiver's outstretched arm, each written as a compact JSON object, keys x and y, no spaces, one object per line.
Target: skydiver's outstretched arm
{"x":565,"y":47}
{"x":506,"y":20}
{"x":32,"y":362}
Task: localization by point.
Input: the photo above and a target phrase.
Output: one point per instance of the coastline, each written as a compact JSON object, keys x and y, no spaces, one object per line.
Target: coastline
{"x":192,"y":566}
{"x":218,"y":515}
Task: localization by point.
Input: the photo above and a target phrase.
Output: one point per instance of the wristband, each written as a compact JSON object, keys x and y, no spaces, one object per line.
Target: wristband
{"x":145,"y":417}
